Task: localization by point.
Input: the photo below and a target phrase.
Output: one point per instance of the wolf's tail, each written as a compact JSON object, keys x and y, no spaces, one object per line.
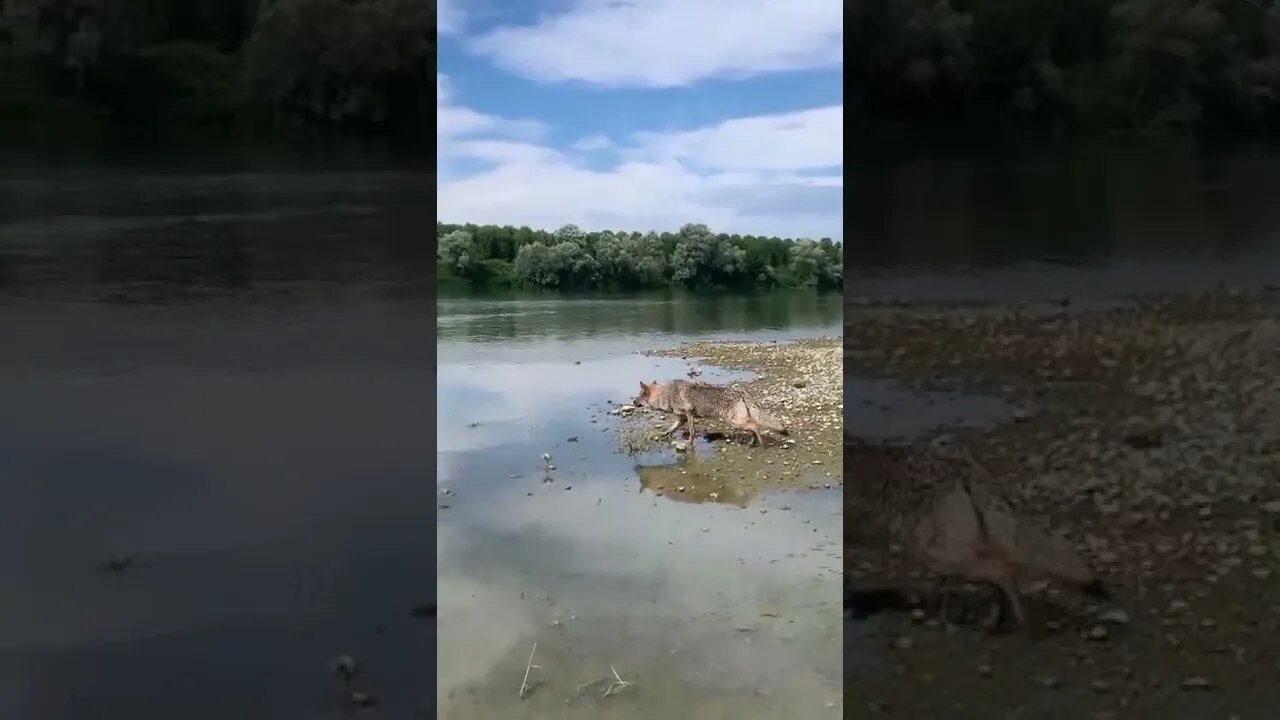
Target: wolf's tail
{"x":1042,"y":552}
{"x":766,"y":420}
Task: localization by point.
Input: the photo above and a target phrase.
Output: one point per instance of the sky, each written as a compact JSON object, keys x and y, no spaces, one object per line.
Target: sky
{"x":642,"y":114}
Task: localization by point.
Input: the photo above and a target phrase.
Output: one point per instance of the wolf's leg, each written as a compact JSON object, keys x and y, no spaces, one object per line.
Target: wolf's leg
{"x":1008,"y":583}
{"x":940,"y":593}
{"x":998,"y":611}
{"x":689,"y":426}
{"x":676,"y":426}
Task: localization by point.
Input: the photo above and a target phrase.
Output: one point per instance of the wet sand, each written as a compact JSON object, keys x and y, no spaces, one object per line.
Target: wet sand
{"x":1148,"y":432}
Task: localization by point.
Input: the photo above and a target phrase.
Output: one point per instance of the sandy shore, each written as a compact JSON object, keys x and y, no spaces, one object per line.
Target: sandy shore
{"x":799,"y":382}
{"x":1148,"y":433}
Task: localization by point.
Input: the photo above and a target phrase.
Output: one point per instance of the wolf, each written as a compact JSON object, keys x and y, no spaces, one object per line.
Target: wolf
{"x":689,"y":400}
{"x":954,"y":520}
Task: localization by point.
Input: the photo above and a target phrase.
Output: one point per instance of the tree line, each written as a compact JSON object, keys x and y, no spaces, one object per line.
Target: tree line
{"x":573,"y":259}
{"x":1066,"y":65}
{"x":360,"y":65}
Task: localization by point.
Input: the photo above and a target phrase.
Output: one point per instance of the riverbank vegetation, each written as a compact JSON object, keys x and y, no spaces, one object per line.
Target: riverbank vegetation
{"x":354,"y":65}
{"x":1066,"y":65}
{"x":573,"y":259}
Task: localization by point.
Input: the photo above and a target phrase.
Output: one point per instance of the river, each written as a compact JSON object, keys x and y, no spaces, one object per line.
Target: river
{"x":219,"y":380}
{"x":713,"y":609}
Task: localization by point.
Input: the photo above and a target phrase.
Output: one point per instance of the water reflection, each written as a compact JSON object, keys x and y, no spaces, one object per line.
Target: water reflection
{"x":593,"y":566}
{"x":1088,"y":221}
{"x":187,"y":381}
{"x":887,"y":409}
{"x":683,"y":482}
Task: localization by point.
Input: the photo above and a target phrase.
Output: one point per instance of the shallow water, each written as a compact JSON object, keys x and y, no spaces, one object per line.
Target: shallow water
{"x":225,"y":377}
{"x":888,"y":409}
{"x":709,"y":609}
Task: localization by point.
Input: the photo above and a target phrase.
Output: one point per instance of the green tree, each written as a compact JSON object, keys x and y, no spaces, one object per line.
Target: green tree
{"x":457,"y":252}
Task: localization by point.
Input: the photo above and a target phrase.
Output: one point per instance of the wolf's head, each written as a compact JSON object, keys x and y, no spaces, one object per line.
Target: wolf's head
{"x":646,"y":394}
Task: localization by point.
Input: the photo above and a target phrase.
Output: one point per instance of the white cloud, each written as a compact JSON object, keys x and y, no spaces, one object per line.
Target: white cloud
{"x":799,"y":140}
{"x":593,"y":143}
{"x":454,"y":121}
{"x":670,"y":43}
{"x":449,"y":17}
{"x":775,"y":175}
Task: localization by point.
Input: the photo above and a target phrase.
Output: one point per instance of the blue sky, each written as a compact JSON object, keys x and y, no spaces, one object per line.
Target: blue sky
{"x":642,"y":114}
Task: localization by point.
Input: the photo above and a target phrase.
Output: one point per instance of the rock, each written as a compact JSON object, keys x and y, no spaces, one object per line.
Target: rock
{"x":1197,"y":683}
{"x":1114,"y":617}
{"x":1144,"y":439}
{"x":1048,"y":681}
{"x":344,"y":666}
{"x":118,"y":565}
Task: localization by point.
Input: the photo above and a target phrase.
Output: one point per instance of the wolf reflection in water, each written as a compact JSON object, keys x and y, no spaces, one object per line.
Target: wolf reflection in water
{"x":684,"y":483}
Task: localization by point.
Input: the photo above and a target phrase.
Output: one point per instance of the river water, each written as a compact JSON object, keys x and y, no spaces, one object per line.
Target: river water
{"x":223,"y":377}
{"x":713,"y":610}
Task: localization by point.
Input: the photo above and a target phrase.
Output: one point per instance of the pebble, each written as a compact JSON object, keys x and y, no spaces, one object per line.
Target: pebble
{"x":1048,"y":681}
{"x":1114,"y":617}
{"x":1197,"y":683}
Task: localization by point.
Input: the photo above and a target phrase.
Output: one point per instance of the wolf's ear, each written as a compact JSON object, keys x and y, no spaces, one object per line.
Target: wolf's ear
{"x":643,"y":387}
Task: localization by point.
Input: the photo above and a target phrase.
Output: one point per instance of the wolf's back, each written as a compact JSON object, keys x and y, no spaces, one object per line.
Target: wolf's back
{"x":764,"y":418}
{"x":1038,"y":551}
{"x":713,"y":401}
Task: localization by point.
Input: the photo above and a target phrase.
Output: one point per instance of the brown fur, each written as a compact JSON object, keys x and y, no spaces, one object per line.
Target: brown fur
{"x":689,"y":400}
{"x":956,"y":523}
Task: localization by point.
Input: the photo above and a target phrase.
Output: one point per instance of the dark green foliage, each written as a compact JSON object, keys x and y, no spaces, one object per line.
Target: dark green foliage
{"x":365,"y":65}
{"x":362,"y":64}
{"x":693,"y":258}
{"x":1128,"y":65}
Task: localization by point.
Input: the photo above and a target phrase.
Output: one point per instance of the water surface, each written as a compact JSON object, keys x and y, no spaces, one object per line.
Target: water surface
{"x":225,"y":377}
{"x":727,"y":608}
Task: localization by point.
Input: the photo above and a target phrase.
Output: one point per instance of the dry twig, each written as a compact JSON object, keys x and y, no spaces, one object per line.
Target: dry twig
{"x":617,"y":686}
{"x":524,"y":684}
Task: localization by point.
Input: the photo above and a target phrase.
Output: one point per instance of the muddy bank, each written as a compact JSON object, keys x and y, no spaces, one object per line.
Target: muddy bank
{"x":799,"y":382}
{"x":1148,"y":432}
